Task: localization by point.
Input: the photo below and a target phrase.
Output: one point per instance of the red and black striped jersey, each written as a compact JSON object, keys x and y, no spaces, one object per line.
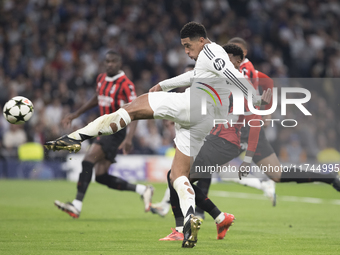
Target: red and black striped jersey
{"x":233,"y":133}
{"x":114,"y":92}
{"x":249,"y":72}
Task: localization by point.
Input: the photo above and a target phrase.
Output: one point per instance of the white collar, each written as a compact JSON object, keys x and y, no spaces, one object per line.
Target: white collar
{"x":245,"y":61}
{"x":120,"y":74}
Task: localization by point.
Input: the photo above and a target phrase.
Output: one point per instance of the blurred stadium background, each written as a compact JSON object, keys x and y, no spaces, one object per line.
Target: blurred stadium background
{"x":52,"y":50}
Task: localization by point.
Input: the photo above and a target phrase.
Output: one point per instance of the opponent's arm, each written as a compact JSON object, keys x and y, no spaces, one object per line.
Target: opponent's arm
{"x":265,"y":82}
{"x":87,"y":106}
{"x":253,"y":138}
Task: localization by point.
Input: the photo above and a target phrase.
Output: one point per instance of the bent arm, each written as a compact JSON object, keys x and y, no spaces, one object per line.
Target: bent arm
{"x":89,"y":105}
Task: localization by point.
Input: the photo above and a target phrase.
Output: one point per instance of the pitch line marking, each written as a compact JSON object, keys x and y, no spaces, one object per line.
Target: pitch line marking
{"x":310,"y":200}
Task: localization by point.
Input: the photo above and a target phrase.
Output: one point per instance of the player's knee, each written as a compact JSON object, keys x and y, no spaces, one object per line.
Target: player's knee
{"x":91,"y":157}
{"x":102,"y":179}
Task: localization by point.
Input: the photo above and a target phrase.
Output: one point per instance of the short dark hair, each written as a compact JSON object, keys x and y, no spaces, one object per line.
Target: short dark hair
{"x":190,"y":66}
{"x":233,"y":49}
{"x":112,"y":52}
{"x":193,"y":30}
{"x":238,"y":40}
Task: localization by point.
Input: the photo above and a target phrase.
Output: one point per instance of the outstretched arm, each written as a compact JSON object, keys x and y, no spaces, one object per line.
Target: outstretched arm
{"x":71,"y":116}
{"x":181,"y":80}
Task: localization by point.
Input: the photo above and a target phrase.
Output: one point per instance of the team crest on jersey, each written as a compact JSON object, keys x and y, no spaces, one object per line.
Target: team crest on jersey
{"x":219,"y":64}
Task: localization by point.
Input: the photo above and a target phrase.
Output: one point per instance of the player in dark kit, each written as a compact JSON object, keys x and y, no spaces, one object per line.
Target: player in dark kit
{"x":114,"y":89}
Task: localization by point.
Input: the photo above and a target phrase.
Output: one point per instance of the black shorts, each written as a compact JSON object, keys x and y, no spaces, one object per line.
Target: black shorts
{"x":110,"y":144}
{"x":263,"y":149}
{"x":215,"y":151}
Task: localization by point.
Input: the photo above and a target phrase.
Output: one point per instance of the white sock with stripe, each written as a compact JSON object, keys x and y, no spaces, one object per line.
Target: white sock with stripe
{"x":186,"y":196}
{"x":101,"y":125}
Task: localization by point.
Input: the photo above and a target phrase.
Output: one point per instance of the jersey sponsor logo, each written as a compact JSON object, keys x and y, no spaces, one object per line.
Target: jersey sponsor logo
{"x":105,"y":101}
{"x":219,"y":64}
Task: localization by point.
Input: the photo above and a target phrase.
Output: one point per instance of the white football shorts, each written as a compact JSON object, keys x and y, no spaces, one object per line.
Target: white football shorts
{"x":191,"y":127}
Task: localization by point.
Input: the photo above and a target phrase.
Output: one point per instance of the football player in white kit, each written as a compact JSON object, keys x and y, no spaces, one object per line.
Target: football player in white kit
{"x":191,"y":127}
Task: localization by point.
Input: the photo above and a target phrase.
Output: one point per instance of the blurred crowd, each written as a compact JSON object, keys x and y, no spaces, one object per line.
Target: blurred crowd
{"x":52,"y":50}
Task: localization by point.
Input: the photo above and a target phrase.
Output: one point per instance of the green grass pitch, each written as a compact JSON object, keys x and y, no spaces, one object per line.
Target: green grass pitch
{"x":114,"y":222}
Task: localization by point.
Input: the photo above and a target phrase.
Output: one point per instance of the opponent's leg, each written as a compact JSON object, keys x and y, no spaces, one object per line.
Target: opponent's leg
{"x":92,"y":156}
{"x":203,"y":184}
{"x":298,"y":175}
{"x":223,"y":220}
{"x":117,"y":183}
{"x":162,"y":208}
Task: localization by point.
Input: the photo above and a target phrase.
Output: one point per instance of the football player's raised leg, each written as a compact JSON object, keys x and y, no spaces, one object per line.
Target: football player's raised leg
{"x":105,"y":125}
{"x":112,"y":123}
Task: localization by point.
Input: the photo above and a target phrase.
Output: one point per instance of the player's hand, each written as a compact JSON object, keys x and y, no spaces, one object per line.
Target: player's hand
{"x":126,"y":146}
{"x":244,"y":170}
{"x":266,"y":97}
{"x":66,"y":121}
{"x":156,"y":88}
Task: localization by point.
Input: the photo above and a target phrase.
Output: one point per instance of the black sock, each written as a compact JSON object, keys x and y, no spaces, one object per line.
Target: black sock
{"x":301,"y":176}
{"x":84,"y":179}
{"x":204,"y":185}
{"x":205,"y":203}
{"x":190,"y":211}
{"x":114,"y":182}
{"x":174,"y":201}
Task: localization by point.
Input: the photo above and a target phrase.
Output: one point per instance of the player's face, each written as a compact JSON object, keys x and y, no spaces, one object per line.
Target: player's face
{"x":236,"y":60}
{"x":245,"y":51}
{"x":112,"y":64}
{"x":193,"y":47}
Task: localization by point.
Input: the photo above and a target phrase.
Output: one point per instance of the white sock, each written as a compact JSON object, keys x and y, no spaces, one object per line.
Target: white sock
{"x":102,"y":125}
{"x":77,"y":204}
{"x":220,"y":218}
{"x":179,"y":229}
{"x":140,"y":189}
{"x":251,"y":182}
{"x":186,"y":198}
{"x":166,"y":198}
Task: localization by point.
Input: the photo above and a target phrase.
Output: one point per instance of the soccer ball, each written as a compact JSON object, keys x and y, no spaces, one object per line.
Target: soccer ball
{"x":18,"y":110}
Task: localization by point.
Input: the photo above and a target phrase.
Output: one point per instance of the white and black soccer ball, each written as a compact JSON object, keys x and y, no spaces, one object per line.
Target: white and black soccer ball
{"x":18,"y":110}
